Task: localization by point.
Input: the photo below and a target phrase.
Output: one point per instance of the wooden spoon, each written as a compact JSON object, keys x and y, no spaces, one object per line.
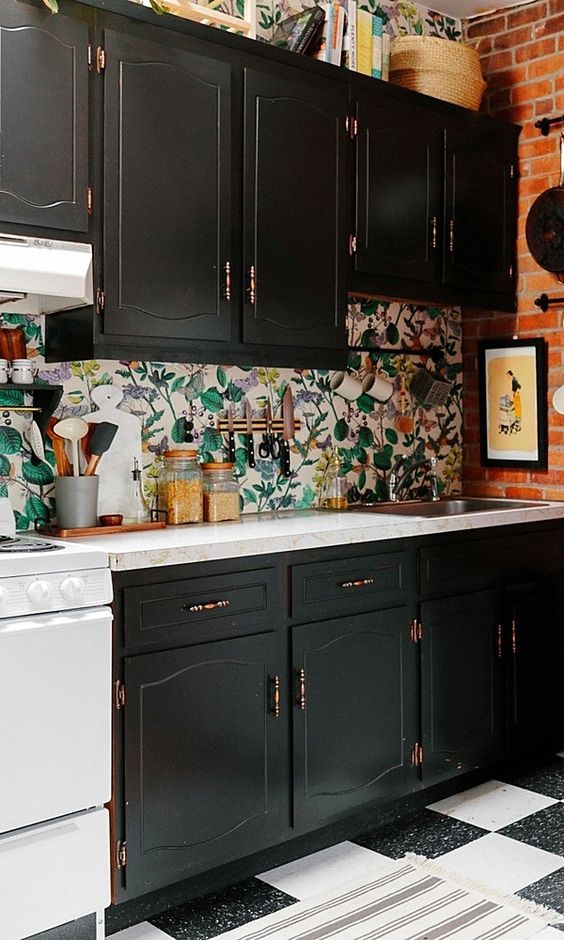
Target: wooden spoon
{"x":73,"y":430}
{"x":62,"y":462}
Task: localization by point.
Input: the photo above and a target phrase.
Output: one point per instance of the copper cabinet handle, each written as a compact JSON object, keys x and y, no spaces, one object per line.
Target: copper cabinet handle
{"x":499,"y":641}
{"x":252,"y":288}
{"x":434,"y":232}
{"x":276,"y":704}
{"x":227,"y":289}
{"x":301,"y":690}
{"x":211,"y":605}
{"x":451,"y":236}
{"x":513,"y":637}
{"x":362,"y":582}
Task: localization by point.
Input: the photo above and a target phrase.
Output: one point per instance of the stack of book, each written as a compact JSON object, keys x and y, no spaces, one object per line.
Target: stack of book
{"x":339,"y":32}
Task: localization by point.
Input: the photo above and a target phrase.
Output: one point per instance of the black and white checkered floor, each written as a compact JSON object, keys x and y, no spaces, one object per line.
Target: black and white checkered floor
{"x":507,"y":834}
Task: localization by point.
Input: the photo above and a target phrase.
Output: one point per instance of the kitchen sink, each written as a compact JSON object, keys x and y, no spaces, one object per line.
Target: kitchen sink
{"x":453,"y":506}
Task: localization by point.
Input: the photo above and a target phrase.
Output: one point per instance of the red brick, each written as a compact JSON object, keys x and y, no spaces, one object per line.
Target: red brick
{"x":528,"y":14}
{"x":485,"y":27}
{"x":496,"y":62}
{"x":523,"y":492}
{"x":516,"y":37}
{"x":541,"y":67}
{"x":530,"y":91}
{"x":555,"y":6}
{"x":551,"y":26}
{"x":535,"y":49}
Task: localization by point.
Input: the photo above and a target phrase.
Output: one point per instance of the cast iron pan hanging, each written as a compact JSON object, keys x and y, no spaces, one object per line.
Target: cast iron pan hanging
{"x":545,"y":225}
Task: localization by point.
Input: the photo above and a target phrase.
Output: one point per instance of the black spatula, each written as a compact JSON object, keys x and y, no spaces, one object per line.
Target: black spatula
{"x":101,"y":442}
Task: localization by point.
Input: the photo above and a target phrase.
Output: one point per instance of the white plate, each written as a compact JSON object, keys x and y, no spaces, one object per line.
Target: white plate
{"x":558,"y":400}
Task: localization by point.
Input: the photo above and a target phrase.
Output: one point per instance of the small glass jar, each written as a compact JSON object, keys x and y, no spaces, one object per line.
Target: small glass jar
{"x":221,"y":492}
{"x":335,"y":486}
{"x":180,"y":492}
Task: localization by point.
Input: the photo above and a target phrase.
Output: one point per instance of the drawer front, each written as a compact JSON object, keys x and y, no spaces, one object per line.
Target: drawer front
{"x":467,"y":566}
{"x":196,"y":609}
{"x":352,"y":585}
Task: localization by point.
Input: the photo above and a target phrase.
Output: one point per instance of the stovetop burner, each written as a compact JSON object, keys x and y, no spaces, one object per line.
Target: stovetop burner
{"x":22,"y":543}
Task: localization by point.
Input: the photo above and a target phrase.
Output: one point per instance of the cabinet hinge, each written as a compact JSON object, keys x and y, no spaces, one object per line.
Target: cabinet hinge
{"x":100,"y":301}
{"x":512,"y":171}
{"x":352,"y":244}
{"x":100,"y":60}
{"x":90,"y":201}
{"x":89,"y":58}
{"x":510,"y":270}
{"x":415,"y":631}
{"x":351,"y":126}
{"x":119,"y":694}
{"x":121,"y":855}
{"x":416,"y":755}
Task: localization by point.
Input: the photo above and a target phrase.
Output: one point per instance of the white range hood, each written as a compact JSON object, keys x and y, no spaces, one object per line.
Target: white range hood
{"x":39,"y":275}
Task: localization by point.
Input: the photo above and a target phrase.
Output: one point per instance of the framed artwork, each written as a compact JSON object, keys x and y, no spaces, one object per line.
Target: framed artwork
{"x":513,"y":403}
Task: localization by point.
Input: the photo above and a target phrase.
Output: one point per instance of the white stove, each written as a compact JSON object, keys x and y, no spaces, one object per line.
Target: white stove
{"x":55,"y":734}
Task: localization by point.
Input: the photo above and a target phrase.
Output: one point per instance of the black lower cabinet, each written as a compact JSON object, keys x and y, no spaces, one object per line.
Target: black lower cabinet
{"x":532,"y":658}
{"x":205,"y":758}
{"x":355,"y":713}
{"x":461,"y":683}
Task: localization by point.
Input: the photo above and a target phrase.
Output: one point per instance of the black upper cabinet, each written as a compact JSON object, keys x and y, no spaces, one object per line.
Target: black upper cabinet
{"x":399,"y":198}
{"x":43,"y":119}
{"x":295,"y":208}
{"x":167,"y":191}
{"x":435,"y":205}
{"x":479,"y":209}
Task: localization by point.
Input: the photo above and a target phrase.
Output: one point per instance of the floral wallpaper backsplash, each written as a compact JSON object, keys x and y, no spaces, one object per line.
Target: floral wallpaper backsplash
{"x":168,"y":399}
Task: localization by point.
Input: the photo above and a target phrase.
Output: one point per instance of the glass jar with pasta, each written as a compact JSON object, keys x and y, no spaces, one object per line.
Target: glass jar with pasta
{"x":221,"y":492}
{"x":180,"y":490}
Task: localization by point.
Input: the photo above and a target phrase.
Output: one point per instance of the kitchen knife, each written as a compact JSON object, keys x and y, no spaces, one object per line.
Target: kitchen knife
{"x":231,"y":435}
{"x":250,"y":439}
{"x":288,"y":433}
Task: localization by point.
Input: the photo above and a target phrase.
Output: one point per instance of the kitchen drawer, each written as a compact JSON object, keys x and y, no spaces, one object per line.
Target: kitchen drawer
{"x":195,"y":609}
{"x":466,"y":566}
{"x":351,"y":586}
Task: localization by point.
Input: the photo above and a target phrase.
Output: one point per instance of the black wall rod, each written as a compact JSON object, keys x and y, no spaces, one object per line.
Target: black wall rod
{"x":544,"y":302}
{"x":545,"y":124}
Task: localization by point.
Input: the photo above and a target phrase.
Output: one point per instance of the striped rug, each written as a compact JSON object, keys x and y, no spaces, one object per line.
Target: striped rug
{"x":407,"y":901}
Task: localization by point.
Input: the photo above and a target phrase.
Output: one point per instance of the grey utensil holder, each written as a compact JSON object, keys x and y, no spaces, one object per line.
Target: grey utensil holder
{"x":76,"y":501}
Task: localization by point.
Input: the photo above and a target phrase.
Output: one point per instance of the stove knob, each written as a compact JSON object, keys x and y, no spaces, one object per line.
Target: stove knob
{"x":39,"y":592}
{"x":4,"y":597}
{"x":72,"y":588}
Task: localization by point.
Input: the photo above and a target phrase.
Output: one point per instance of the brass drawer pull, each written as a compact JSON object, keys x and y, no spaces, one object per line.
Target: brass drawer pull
{"x":211,"y":605}
{"x":227,"y":288}
{"x":276,"y":705}
{"x":252,"y":288}
{"x":362,"y":582}
{"x":302,"y":689}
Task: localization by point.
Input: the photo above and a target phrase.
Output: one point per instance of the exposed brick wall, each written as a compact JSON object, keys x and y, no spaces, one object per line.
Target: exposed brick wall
{"x":522,"y":53}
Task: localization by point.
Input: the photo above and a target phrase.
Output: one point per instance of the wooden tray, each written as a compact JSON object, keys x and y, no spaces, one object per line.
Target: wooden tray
{"x":57,"y":533}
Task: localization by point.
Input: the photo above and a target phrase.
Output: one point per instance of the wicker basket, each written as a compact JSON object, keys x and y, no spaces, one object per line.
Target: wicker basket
{"x":438,"y":67}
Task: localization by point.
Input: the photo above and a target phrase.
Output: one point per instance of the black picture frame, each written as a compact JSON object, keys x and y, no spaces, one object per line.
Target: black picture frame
{"x":512,"y":376}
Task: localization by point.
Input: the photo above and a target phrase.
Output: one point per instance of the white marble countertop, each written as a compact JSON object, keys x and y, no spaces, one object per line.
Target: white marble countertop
{"x":260,"y":534}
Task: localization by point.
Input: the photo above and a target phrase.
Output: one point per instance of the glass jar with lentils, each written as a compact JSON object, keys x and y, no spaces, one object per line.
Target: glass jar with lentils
{"x":181,"y":491}
{"x":221,"y":492}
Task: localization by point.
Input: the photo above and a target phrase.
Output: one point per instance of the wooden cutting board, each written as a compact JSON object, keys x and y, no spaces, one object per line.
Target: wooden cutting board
{"x":57,"y":533}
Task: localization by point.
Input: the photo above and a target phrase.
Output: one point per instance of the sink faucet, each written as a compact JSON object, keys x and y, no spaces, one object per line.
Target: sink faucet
{"x":397,"y":481}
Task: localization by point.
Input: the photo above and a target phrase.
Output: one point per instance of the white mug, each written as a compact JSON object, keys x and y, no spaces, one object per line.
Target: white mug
{"x":346,"y":386}
{"x":379,"y":389}
{"x":4,"y":370}
{"x":23,"y":371}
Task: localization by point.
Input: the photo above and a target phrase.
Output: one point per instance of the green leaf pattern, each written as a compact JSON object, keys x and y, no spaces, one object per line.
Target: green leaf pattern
{"x":166,"y":396}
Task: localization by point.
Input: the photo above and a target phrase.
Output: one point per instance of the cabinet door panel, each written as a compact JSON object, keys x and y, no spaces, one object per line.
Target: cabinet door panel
{"x":533,"y":627}
{"x":167,"y":191}
{"x":205,"y":764}
{"x":352,"y":740}
{"x":43,"y":118}
{"x":399,"y":197}
{"x":479,"y":189}
{"x":295,"y":211}
{"x":462,"y":704}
